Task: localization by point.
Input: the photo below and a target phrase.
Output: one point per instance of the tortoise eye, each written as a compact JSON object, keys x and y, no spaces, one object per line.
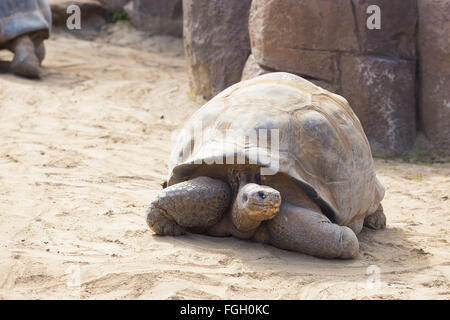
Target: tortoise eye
{"x":261,"y":194}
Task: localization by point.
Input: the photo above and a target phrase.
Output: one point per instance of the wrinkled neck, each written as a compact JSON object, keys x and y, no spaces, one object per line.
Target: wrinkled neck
{"x":238,"y":177}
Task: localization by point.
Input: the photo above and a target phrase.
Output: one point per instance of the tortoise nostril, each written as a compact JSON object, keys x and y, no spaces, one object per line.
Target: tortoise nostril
{"x":261,"y":194}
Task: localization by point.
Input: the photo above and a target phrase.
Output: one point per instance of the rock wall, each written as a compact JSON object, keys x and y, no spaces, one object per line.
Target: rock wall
{"x":253,"y":69}
{"x":159,"y":17}
{"x":216,"y":42}
{"x":386,"y":75}
{"x":434,"y":71}
{"x":381,"y":91}
{"x":329,"y":43}
{"x":114,"y":5}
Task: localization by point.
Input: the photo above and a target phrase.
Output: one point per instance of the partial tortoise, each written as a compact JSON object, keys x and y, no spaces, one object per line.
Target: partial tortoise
{"x":312,"y":193}
{"x":24,"y":25}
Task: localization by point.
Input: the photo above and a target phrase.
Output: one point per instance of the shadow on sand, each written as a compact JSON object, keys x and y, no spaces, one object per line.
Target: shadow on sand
{"x":390,"y":249}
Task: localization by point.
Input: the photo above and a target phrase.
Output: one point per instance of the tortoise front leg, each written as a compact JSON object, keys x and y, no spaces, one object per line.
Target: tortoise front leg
{"x":299,"y":229}
{"x":198,"y":203}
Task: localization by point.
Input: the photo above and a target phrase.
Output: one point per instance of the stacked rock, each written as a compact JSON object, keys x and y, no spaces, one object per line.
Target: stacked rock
{"x":434,"y":71}
{"x":159,"y":17}
{"x":330,"y":43}
{"x":337,"y":45}
{"x":216,"y":43}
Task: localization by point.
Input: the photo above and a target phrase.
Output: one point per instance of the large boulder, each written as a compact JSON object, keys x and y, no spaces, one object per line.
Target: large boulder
{"x":305,"y":37}
{"x":252,"y":69}
{"x":328,"y":42}
{"x":381,"y":91}
{"x":397,"y":36}
{"x":434,"y":71}
{"x":302,"y":37}
{"x":159,"y":17}
{"x":216,"y":43}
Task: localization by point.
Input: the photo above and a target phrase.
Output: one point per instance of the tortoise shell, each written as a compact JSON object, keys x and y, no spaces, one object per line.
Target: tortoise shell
{"x":22,"y":17}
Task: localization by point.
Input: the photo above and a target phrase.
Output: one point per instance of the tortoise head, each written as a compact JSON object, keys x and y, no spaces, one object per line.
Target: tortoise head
{"x":258,"y":201}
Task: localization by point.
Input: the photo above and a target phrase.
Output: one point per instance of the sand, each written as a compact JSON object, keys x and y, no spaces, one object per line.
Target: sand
{"x":84,"y":151}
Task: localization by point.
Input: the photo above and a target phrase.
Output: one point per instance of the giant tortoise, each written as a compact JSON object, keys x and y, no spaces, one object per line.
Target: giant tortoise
{"x":275,"y":159}
{"x":24,"y":25}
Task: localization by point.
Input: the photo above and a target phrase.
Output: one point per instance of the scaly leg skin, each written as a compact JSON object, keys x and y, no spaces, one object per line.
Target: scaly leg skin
{"x":40,"y":51}
{"x":299,"y":229}
{"x":25,"y":62}
{"x":376,"y":220}
{"x":194,"y":204}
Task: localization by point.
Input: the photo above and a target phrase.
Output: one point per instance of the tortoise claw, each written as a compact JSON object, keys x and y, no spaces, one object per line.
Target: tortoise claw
{"x":161,"y":225}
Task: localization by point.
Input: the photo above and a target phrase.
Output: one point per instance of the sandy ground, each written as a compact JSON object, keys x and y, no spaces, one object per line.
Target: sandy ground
{"x":83,"y":152}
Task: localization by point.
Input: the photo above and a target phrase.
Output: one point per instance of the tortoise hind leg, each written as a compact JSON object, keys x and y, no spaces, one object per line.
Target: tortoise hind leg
{"x":307,"y":231}
{"x":40,"y":51}
{"x":191,"y":205}
{"x":25,"y":62}
{"x":376,"y":220}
